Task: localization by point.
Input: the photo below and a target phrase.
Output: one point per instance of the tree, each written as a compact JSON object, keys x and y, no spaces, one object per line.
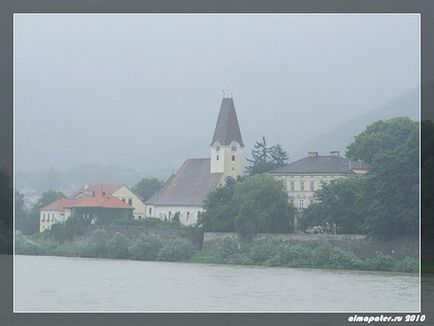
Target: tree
{"x":147,"y":187}
{"x":384,"y":203}
{"x":219,"y":212}
{"x":248,"y":205}
{"x":261,"y":206}
{"x":380,"y":136}
{"x":266,"y":158}
{"x":392,"y":193}
{"x":339,"y":207}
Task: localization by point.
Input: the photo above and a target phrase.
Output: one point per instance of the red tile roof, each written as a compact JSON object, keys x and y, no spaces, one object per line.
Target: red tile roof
{"x":59,"y":205}
{"x":107,"y":201}
{"x":98,"y":188}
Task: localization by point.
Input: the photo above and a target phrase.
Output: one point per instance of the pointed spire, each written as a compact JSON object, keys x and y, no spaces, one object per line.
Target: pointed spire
{"x":227,"y":129}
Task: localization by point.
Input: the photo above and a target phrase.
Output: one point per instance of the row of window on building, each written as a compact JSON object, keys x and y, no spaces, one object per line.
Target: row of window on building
{"x":233,"y":158}
{"x":48,"y":217}
{"x":302,"y":186}
{"x":130,"y":201}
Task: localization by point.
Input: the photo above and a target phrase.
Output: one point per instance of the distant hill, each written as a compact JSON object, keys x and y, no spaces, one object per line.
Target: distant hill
{"x":340,"y":137}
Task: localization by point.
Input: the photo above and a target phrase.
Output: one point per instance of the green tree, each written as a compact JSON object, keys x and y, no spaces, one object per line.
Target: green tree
{"x":384,"y":203}
{"x":248,"y":205}
{"x":219,"y":210}
{"x":392,"y":192}
{"x":266,"y":158}
{"x":339,"y":207}
{"x":147,"y":187}
{"x":380,"y":136}
{"x":261,"y":206}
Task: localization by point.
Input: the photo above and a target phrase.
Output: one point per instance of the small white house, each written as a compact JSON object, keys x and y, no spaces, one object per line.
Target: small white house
{"x":54,"y":213}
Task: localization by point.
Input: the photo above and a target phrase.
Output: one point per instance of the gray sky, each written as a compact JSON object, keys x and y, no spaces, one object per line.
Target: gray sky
{"x":143,"y":91}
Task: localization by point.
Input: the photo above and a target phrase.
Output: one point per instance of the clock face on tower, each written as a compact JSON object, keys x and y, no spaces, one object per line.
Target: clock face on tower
{"x":234,"y":146}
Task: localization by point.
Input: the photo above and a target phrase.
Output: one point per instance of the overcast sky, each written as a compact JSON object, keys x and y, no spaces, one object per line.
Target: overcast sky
{"x":144,"y":91}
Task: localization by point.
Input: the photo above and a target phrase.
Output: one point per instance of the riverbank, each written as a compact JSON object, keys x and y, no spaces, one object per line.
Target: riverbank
{"x":150,"y":247}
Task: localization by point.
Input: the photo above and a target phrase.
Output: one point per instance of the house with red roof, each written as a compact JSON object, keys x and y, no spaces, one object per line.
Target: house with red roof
{"x":122,"y":192}
{"x":91,"y":207}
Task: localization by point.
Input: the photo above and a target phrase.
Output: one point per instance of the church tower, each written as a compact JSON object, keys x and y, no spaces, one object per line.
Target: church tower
{"x":227,"y":147}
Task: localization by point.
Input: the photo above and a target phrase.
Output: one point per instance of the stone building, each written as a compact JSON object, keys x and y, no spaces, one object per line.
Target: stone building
{"x":303,"y":177}
{"x":184,"y":192}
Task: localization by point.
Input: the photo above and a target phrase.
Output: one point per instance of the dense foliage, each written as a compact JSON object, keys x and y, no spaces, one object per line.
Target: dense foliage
{"x":340,"y":207}
{"x":147,"y":187}
{"x":312,"y":254}
{"x":254,"y":204}
{"x":266,"y":158}
{"x":384,"y":203}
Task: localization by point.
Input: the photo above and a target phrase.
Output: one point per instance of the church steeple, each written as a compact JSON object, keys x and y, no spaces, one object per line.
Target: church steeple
{"x":227,"y":155}
{"x":227,"y":129}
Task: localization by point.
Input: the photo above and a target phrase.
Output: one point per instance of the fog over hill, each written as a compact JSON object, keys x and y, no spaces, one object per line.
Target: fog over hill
{"x":336,"y":139}
{"x":342,"y":135}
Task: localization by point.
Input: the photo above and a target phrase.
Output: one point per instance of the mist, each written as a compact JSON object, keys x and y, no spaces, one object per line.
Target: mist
{"x":143,"y":92}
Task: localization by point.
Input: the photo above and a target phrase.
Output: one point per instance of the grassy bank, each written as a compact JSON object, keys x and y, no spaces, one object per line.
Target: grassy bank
{"x":154,"y":248}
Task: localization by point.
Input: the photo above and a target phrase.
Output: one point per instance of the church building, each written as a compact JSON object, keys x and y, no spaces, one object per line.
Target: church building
{"x":184,"y":192}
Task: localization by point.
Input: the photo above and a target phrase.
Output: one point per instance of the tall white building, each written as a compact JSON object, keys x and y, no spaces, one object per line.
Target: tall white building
{"x":184,"y":193}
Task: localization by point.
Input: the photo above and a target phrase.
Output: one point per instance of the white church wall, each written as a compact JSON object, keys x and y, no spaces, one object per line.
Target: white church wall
{"x":187,"y":214}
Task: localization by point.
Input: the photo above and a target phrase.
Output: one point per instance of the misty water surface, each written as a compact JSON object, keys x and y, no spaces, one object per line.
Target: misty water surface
{"x":80,"y":284}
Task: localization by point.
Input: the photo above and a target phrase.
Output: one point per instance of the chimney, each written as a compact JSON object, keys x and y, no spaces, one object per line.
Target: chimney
{"x":334,"y":153}
{"x":312,"y":154}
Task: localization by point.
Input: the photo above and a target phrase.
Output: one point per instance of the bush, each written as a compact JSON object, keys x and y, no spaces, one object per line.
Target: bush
{"x":407,"y":265}
{"x":203,"y":257}
{"x":176,"y":250}
{"x":117,"y":247}
{"x":29,"y":247}
{"x":341,"y":259}
{"x":146,"y":247}
{"x":96,"y":247}
{"x":226,"y":249}
{"x":263,"y":252}
{"x":292,"y":256}
{"x":380,"y":262}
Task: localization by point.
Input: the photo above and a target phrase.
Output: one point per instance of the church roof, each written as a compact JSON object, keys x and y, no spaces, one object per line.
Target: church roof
{"x":189,"y":186}
{"x":227,"y":129}
{"x":321,"y":164}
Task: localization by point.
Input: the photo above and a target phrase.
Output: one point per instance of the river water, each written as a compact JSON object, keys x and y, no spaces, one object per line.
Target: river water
{"x":54,"y":284}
